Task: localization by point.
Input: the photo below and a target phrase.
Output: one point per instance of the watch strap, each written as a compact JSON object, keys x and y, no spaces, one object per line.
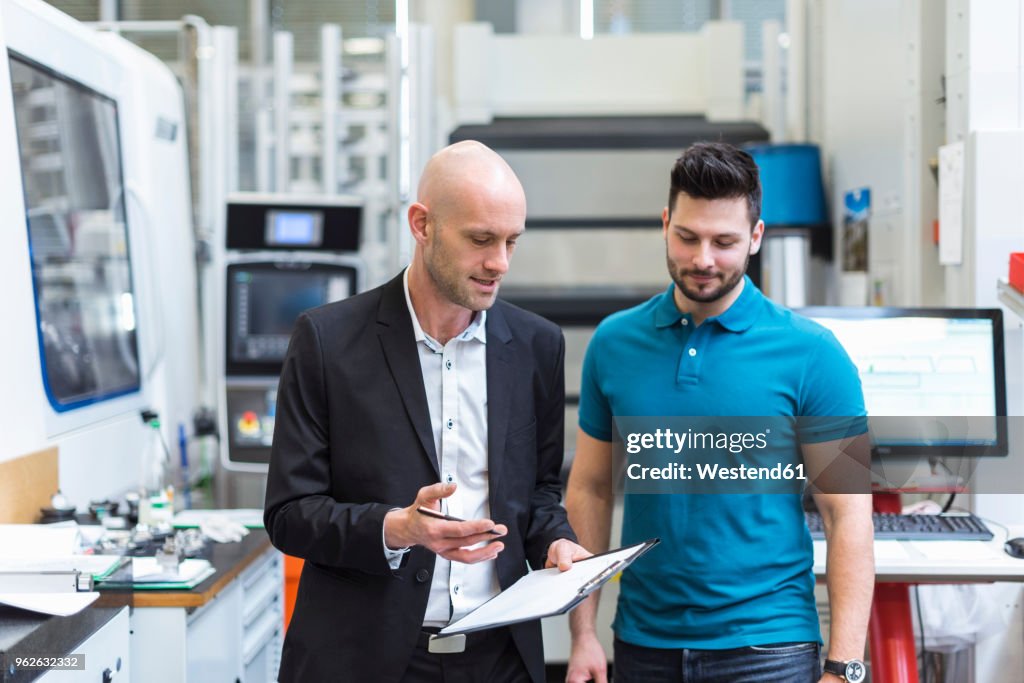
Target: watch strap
{"x":852,"y":671}
{"x":835,"y":667}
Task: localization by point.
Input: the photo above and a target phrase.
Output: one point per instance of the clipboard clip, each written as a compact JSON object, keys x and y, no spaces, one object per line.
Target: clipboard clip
{"x":605,"y":574}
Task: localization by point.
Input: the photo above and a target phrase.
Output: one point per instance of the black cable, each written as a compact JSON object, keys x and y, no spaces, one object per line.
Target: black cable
{"x":920,"y":623}
{"x":949,"y":503}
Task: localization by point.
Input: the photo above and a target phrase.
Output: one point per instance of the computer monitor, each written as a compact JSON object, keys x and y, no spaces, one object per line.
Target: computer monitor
{"x":933,"y":378}
{"x":265,"y":300}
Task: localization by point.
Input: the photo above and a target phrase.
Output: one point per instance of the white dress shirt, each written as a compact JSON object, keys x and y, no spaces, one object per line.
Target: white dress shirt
{"x":455,"y":379}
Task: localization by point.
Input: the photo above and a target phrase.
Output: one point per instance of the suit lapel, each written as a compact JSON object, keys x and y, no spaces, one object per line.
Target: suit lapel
{"x":398,"y":342}
{"x":499,"y":376}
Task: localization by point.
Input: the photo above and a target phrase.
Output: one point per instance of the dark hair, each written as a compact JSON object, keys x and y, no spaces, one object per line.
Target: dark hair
{"x":716,"y":170}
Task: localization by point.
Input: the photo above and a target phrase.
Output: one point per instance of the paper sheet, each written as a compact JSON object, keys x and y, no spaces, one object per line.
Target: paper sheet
{"x":148,"y":570}
{"x":97,"y":565}
{"x":57,"y":604}
{"x":956,"y":551}
{"x":890,"y":551}
{"x":38,"y":540}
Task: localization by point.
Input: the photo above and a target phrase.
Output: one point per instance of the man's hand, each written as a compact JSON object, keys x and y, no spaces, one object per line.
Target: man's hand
{"x":830,"y":678}
{"x":450,"y":540}
{"x":563,"y":552}
{"x":587,"y":660}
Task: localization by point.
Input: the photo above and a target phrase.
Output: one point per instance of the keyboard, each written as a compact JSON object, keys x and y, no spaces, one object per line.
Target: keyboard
{"x":950,"y":527}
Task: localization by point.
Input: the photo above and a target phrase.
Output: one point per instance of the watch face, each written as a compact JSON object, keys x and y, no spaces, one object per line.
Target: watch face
{"x":855,"y":672}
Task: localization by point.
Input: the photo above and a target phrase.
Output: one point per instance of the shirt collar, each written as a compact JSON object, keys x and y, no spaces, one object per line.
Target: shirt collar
{"x":477,"y":328}
{"x":666,"y":314}
{"x":739,"y":317}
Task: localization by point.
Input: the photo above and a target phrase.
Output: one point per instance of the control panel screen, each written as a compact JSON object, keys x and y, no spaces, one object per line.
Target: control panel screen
{"x":294,"y":228}
{"x":265,"y":300}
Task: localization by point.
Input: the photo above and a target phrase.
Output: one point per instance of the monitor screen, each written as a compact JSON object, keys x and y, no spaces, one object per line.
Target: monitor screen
{"x":265,"y":300}
{"x":933,"y":379}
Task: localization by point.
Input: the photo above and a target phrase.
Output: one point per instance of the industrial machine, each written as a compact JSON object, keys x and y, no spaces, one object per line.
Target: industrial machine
{"x":283,"y":255}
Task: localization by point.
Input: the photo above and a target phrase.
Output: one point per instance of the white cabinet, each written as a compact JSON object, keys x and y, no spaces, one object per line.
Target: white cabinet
{"x":106,"y":655}
{"x":235,"y":637}
{"x":262,"y":618}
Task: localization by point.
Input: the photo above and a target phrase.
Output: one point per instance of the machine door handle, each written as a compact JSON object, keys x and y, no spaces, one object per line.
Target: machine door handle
{"x":108,"y":674}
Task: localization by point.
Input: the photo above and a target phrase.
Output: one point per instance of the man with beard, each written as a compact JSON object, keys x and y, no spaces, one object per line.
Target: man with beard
{"x":424,"y":392}
{"x":728,"y":594}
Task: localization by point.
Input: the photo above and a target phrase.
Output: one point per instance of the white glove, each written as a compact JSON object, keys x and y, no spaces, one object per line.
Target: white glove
{"x":222,"y":529}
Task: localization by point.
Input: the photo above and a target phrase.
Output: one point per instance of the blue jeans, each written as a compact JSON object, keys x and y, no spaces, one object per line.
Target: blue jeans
{"x":780,"y":663}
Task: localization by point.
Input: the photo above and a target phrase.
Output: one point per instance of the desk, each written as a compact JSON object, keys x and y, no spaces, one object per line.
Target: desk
{"x":229,"y":627}
{"x":901,"y":563}
{"x":945,"y":561}
{"x":228,"y":560}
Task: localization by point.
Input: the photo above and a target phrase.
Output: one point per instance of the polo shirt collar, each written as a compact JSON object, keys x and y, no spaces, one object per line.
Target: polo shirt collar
{"x":665,"y":313}
{"x":739,"y":317}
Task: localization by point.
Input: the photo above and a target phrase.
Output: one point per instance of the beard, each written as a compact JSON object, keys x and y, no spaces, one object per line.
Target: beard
{"x":710,"y":292}
{"x":451,"y":283}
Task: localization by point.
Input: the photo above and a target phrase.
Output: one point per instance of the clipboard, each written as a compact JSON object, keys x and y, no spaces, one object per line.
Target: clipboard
{"x":547,"y":592}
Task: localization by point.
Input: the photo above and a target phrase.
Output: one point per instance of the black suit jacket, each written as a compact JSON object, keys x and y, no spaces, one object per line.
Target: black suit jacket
{"x":353,"y":440}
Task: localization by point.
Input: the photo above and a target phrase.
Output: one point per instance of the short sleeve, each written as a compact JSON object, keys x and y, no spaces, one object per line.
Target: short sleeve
{"x":831,"y":396}
{"x":595,"y":413}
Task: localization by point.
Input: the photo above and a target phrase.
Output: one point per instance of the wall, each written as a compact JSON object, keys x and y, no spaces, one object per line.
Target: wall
{"x":882,"y":114}
{"x":863,"y":98}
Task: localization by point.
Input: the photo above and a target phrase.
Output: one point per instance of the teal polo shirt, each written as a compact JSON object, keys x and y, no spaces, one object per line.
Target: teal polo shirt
{"x":733,"y":570}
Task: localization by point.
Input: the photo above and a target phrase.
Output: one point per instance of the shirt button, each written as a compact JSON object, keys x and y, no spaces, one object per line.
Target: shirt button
{"x":455,"y":589}
{"x":692,"y":352}
{"x":448,"y":364}
{"x":422,"y":575}
{"x":451,"y":423}
{"x":448,"y":477}
{"x":684,"y":322}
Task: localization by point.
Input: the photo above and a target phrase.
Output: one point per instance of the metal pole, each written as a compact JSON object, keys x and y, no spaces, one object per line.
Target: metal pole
{"x":396,"y":129}
{"x":283,"y":57}
{"x":330,"y":96}
{"x":108,"y":10}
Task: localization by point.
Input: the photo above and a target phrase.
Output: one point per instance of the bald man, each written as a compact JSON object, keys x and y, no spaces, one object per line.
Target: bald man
{"x":425,"y":392}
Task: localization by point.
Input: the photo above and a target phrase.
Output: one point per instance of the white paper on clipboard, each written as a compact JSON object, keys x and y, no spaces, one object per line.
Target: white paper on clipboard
{"x":547,"y":592}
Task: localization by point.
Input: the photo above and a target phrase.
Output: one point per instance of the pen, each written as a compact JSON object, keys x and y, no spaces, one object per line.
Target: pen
{"x":436,"y":514}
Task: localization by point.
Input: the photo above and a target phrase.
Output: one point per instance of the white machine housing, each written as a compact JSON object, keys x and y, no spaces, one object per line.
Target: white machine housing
{"x":100,"y":443}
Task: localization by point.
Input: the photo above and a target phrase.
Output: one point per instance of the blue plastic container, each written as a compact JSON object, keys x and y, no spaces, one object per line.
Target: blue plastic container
{"x":791,"y":184}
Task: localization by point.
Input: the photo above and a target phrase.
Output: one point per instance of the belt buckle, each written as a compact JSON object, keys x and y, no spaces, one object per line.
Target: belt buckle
{"x":447,"y":645}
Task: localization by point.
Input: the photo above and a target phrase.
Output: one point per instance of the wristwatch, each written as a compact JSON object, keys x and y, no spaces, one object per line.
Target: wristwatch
{"x":851,"y":671}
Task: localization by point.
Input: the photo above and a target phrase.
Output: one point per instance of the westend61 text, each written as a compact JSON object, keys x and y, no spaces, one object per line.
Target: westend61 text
{"x":710,"y":472}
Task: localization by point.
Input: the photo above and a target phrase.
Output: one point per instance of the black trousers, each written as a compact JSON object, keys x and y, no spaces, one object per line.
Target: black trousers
{"x":490,"y":656}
